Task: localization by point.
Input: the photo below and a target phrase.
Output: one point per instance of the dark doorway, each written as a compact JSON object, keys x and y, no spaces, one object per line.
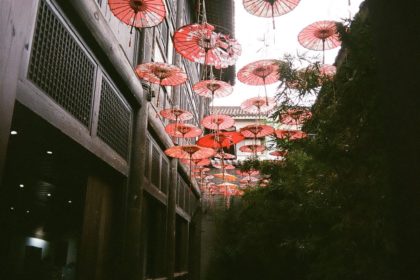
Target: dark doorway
{"x":43,"y":198}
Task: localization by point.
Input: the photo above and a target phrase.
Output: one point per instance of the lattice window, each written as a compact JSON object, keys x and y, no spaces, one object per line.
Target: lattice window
{"x":60,"y":67}
{"x":114,"y":124}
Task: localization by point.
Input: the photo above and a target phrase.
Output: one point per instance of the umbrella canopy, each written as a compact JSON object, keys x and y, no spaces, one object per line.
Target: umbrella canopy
{"x":217,"y":122}
{"x":258,"y":105}
{"x":161,"y":73}
{"x":201,"y":169}
{"x":199,"y":43}
{"x":261,"y":72}
{"x":197,"y":162}
{"x":220,"y":140}
{"x":320,"y":36}
{"x":252,"y":148}
{"x":175,"y":114}
{"x":256,"y":130}
{"x":269,"y":8}
{"x":226,"y":166}
{"x":249,"y":179}
{"x":290,"y":134}
{"x":224,"y":155}
{"x":183,"y":130}
{"x":138,"y":13}
{"x":212,"y":88}
{"x":189,"y":152}
{"x":279,"y":153}
{"x":248,"y":172}
{"x":327,"y":71}
{"x":226,"y":177}
{"x":295,"y":116}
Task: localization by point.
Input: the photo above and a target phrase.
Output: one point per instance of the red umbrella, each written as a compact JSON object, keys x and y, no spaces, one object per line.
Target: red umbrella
{"x":223,"y":155}
{"x":279,"y":153}
{"x":249,"y":179}
{"x":252,"y":148}
{"x":269,"y":8}
{"x":226,"y":177}
{"x":259,"y":73}
{"x":320,"y":36}
{"x":189,"y":152}
{"x":295,"y":116}
{"x":224,"y":166}
{"x":290,"y":134}
{"x":220,"y":140}
{"x":162,"y":74}
{"x":176,"y":114}
{"x":201,"y":169}
{"x":256,"y":130}
{"x":327,"y":71}
{"x":248,"y":172}
{"x":258,"y":105}
{"x":199,"y":43}
{"x":218,"y":122}
{"x":183,"y":130}
{"x":212,"y":88}
{"x":197,"y":162}
{"x":138,"y":13}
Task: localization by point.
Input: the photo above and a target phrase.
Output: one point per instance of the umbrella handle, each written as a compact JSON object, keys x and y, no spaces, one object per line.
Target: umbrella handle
{"x":272,"y":16}
{"x":323,"y":51}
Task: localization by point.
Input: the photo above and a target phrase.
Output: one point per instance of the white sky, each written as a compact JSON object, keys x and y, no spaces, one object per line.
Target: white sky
{"x":250,"y":32}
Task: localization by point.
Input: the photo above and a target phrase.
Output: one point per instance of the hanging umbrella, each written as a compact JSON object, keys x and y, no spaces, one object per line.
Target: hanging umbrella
{"x":183,"y":130}
{"x":290,"y":134}
{"x":258,"y":105}
{"x":260,"y":73}
{"x":201,"y":169}
{"x":162,"y":74}
{"x":217,"y":122}
{"x":226,"y":177}
{"x":248,"y":172}
{"x":199,"y":43}
{"x":279,"y":153}
{"x":212,"y":88}
{"x":176,"y":114}
{"x":253,"y":148}
{"x":224,"y":166}
{"x":249,"y":179}
{"x":269,"y":8}
{"x":256,"y":130}
{"x":220,"y":140}
{"x":189,"y":152}
{"x":320,"y":36}
{"x":197,"y":162}
{"x":224,"y":155}
{"x":138,"y":13}
{"x":295,"y":116}
{"x":327,"y":71}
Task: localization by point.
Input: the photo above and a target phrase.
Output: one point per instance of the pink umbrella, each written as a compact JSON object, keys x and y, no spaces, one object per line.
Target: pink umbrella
{"x":320,"y":36}
{"x":269,"y":8}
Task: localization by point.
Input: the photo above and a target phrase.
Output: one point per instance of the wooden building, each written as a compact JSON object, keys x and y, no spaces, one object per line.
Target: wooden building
{"x":86,"y":191}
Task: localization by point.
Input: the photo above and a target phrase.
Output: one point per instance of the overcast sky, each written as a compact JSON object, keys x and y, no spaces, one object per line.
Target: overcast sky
{"x":251,"y":30}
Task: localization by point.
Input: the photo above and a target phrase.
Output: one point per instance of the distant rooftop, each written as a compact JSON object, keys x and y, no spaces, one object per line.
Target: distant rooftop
{"x":235,"y":112}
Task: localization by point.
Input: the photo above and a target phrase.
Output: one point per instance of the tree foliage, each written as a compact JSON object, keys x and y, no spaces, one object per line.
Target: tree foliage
{"x":327,"y":212}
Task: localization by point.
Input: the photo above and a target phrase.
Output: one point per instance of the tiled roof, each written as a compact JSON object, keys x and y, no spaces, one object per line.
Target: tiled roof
{"x":234,"y":111}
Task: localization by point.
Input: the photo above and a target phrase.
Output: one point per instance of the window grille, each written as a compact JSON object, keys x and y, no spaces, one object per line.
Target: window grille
{"x":60,"y":67}
{"x":114,"y":124}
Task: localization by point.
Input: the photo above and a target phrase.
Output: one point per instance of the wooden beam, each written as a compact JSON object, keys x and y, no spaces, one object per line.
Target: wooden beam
{"x":171,"y":220}
{"x":15,"y":27}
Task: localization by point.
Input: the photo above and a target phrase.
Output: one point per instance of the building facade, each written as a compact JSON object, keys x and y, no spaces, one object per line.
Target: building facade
{"x":86,"y":191}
